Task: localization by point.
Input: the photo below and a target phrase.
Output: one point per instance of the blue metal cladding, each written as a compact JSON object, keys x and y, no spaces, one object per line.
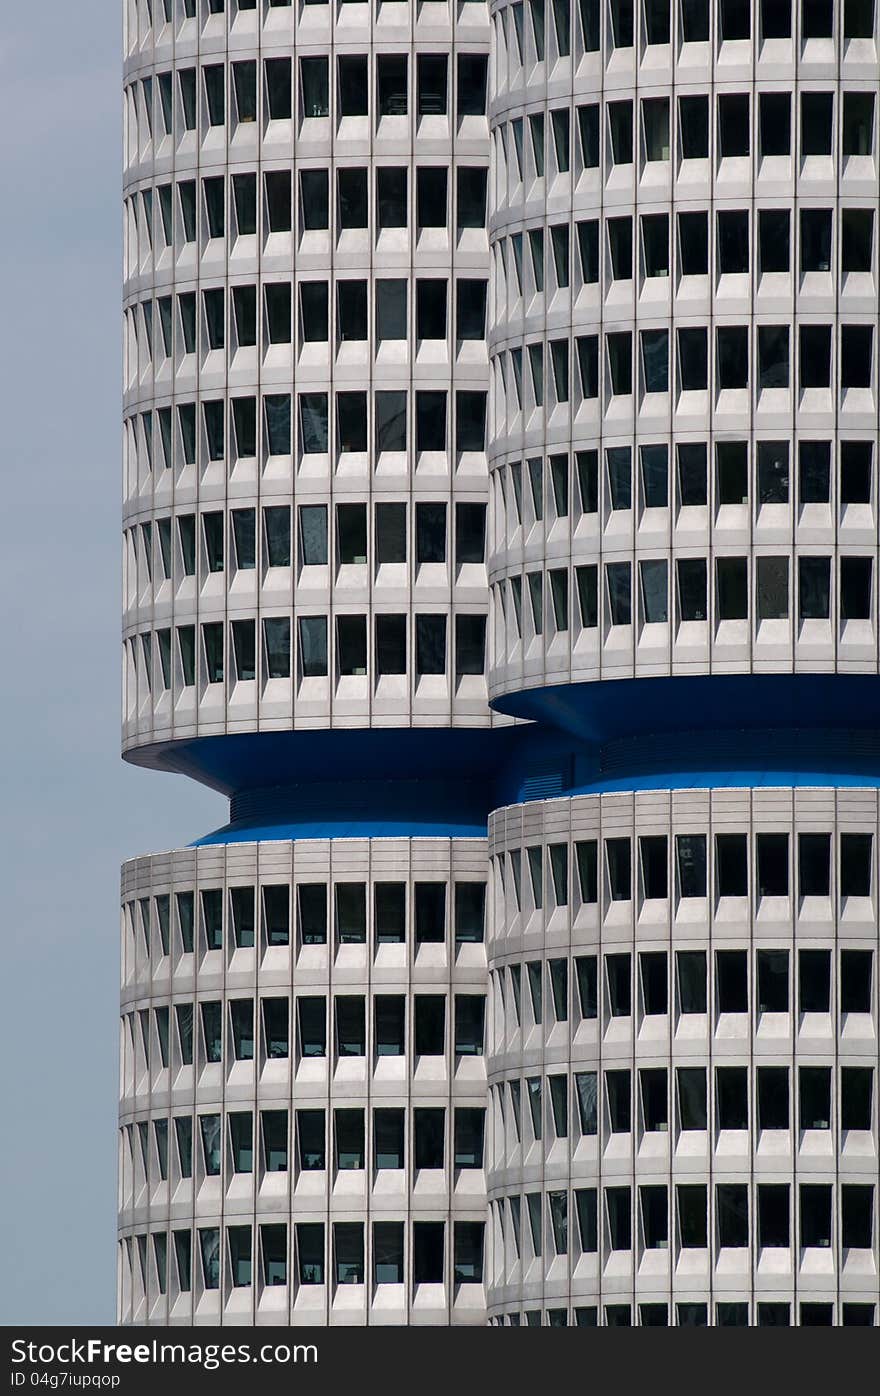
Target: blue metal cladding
{"x":625,"y":735}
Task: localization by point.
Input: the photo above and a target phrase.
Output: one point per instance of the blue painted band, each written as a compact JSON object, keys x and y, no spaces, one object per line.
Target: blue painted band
{"x":661,"y":734}
{"x":599,"y":712}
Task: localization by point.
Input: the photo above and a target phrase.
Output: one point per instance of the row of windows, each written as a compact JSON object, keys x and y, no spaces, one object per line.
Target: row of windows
{"x":771,"y":990}
{"x":346,"y":911}
{"x":183,"y":435}
{"x":211,"y":661}
{"x":347,"y":1263}
{"x":812,"y":472}
{"x":267,"y":313}
{"x":238,"y":93}
{"x":653,"y":21}
{"x":728,"y":1314}
{"x":614,"y":1223}
{"x":773,"y":1102}
{"x":606,"y":252}
{"x":376,"y":1140}
{"x":679,"y":362}
{"x":630,"y":24}
{"x":158,"y":13}
{"x":199,"y":1029}
{"x":643,"y":133}
{"x":776,"y":866}
{"x":437,"y":199}
{"x":204,"y":548}
{"x":819,"y":595}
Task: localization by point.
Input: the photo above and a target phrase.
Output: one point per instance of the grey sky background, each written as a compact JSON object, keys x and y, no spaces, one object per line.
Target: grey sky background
{"x":70,"y":810}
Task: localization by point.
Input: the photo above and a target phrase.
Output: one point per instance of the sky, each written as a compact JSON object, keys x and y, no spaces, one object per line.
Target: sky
{"x":71,"y":810}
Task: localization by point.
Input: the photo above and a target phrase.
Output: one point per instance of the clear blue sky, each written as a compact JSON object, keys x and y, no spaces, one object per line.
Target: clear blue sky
{"x":70,"y":810}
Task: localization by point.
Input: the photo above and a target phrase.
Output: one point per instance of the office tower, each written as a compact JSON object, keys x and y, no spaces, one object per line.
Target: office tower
{"x":500,"y":456}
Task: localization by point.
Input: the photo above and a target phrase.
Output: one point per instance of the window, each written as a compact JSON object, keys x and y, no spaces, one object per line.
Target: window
{"x":655,"y":126}
{"x":215,"y":94}
{"x":310,"y":1252}
{"x":655,"y":360}
{"x":856,"y":973}
{"x":655,"y":1107}
{"x":856,"y":1097}
{"x":310,"y":1140}
{"x":857,"y":1217}
{"x":732,"y":1212}
{"x":774,"y":240}
{"x":470,"y":308}
{"x":655,"y":244}
{"x":774,"y":109}
{"x":858,"y":123}
{"x":856,"y":356}
{"x":618,"y":1209}
{"x":312,"y":1020}
{"x":693,"y":244}
{"x":731,"y":976}
{"x":856,"y":239}
{"x":617,"y":1094}
{"x":428,"y":1248}
{"x":314,"y":77}
{"x":733,"y":124}
{"x":431,"y":84}
{"x":814,"y":981}
{"x":471,"y":84}
{"x":693,"y":127}
{"x":655,"y":1217}
{"x":692,"y":1101}
{"x":274,"y":1133}
{"x":351,"y":1026}
{"x":585,"y":968}
{"x":391,"y":196}
{"x":772,"y":856}
{"x":620,"y":117}
{"x":816,"y":122}
{"x":622,"y":23}
{"x":617,"y":853}
{"x":348,"y":1246}
{"x":731,"y":1097}
{"x":731,"y":865}
{"x":772,"y":1091}
{"x":817,"y":19}
{"x":429,"y":1129}
{"x":814,"y":1097}
{"x":470,"y":899}
{"x":430,"y":1025}
{"x":586,"y":1089}
{"x":856,"y":855}
{"x":352,"y":84}
{"x":431,"y":197}
{"x":278,"y":88}
{"x":348,"y":1128}
{"x":391,"y":73}
{"x":691,"y":864}
{"x":732,"y":368}
{"x":469,"y":1024}
{"x":388,"y":1134}
{"x":773,"y":1215}
{"x":388,"y":1252}
{"x":773,"y":370}
{"x":588,"y":128}
{"x":772,"y":968}
{"x":314,"y":200}
{"x":389,"y":1025}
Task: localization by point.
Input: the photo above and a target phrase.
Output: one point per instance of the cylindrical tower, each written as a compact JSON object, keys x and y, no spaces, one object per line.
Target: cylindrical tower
{"x":500,"y":451}
{"x":306,"y":267}
{"x":683,"y":575}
